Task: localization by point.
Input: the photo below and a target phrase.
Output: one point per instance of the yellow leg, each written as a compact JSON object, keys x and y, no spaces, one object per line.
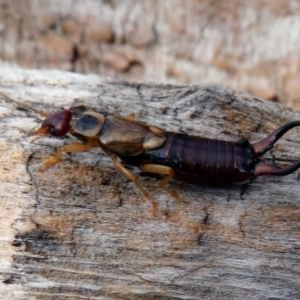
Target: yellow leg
{"x":163,"y":170}
{"x":74,"y":147}
{"x":132,"y":177}
{"x":130,"y":117}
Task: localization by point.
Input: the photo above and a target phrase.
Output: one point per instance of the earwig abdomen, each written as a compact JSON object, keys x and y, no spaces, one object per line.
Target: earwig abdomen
{"x":203,"y":161}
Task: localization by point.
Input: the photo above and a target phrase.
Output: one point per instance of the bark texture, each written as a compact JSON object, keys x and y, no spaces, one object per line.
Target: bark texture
{"x":248,"y":45}
{"x":80,"y":230}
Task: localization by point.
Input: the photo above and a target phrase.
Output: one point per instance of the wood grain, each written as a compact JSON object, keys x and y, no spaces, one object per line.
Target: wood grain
{"x":250,"y":45}
{"x":80,"y":230}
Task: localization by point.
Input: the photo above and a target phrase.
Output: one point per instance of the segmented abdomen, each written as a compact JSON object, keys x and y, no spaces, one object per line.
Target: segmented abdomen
{"x":201,"y":160}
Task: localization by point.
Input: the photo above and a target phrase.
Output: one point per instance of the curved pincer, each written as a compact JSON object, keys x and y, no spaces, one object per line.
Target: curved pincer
{"x":266,"y":144}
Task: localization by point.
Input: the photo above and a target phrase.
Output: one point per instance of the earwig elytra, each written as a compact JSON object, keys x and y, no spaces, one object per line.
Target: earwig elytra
{"x":191,"y":159}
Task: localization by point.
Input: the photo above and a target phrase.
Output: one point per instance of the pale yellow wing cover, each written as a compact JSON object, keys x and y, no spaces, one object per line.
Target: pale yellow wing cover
{"x":127,"y":137}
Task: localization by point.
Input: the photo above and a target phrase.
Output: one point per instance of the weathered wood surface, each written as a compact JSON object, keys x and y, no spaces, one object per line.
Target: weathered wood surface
{"x":80,"y":230}
{"x":248,"y":45}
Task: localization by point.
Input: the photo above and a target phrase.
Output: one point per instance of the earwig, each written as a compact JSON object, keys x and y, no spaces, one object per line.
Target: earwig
{"x":190,"y":159}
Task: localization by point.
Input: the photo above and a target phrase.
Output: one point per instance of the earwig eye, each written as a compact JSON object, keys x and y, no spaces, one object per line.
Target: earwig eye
{"x":52,"y":131}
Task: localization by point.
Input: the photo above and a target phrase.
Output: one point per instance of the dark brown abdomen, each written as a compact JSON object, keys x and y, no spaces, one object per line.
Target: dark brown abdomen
{"x":203,"y":161}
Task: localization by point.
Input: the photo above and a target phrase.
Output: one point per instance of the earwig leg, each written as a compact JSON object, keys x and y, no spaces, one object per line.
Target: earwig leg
{"x":132,"y":177}
{"x":74,"y":147}
{"x":163,"y":170}
{"x":130,"y":117}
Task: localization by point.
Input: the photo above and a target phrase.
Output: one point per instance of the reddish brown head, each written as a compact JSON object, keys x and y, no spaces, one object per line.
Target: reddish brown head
{"x":57,"y":124}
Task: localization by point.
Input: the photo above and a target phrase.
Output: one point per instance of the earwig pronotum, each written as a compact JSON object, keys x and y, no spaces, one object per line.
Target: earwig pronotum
{"x":191,"y":159}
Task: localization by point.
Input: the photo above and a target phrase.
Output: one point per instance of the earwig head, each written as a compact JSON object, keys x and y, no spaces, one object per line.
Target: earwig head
{"x":57,"y":124}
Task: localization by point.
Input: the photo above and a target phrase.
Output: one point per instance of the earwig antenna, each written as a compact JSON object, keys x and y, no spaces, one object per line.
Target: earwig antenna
{"x":23,"y":105}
